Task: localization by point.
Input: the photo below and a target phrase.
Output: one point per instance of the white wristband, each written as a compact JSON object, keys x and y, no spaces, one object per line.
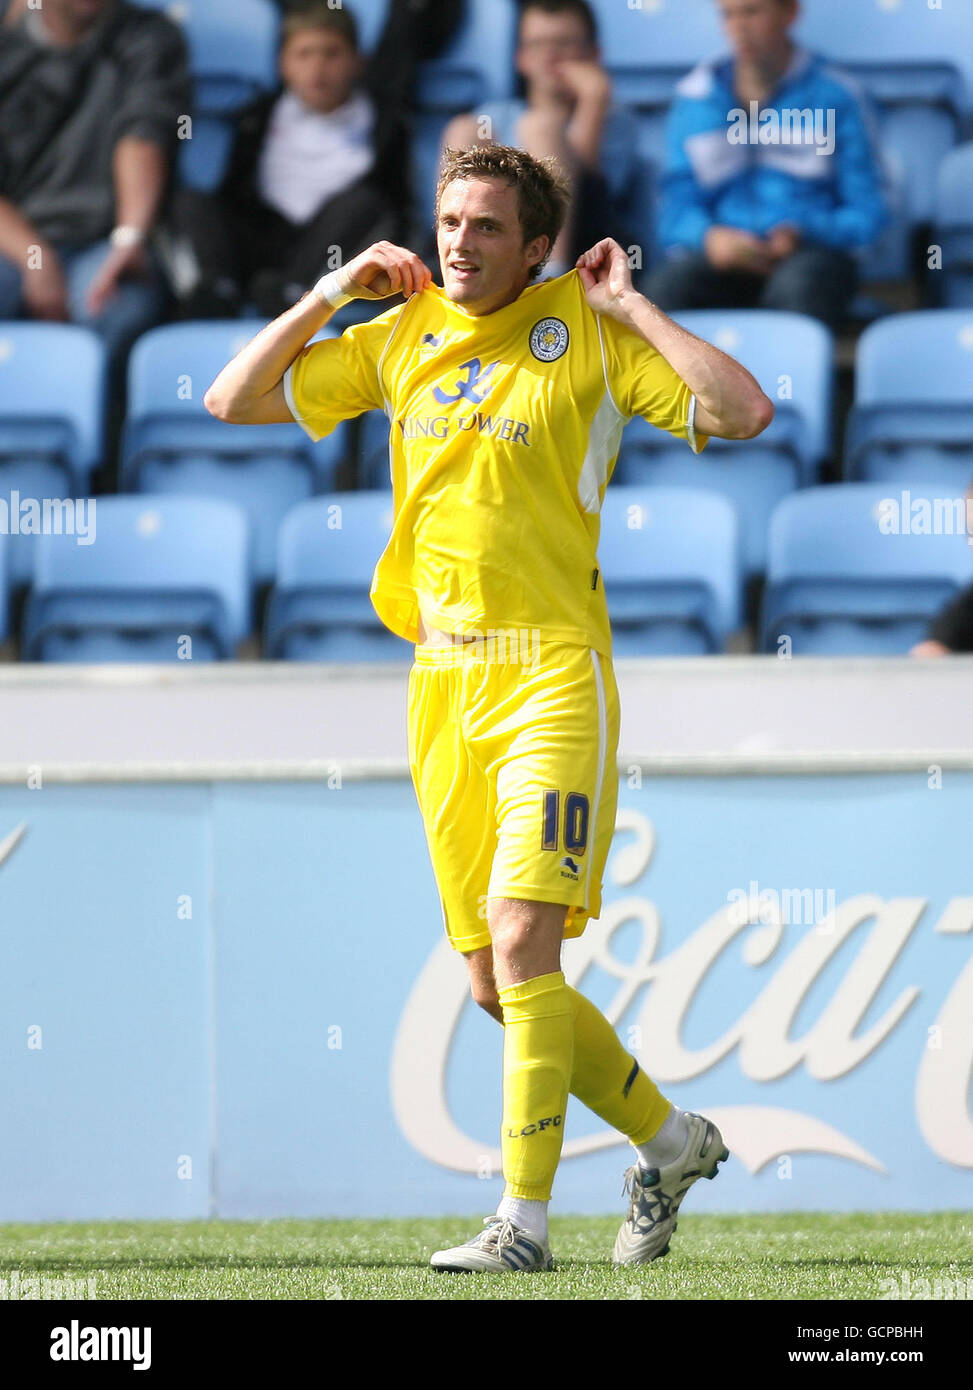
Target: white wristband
{"x":329,"y":291}
{"x":124,"y":238}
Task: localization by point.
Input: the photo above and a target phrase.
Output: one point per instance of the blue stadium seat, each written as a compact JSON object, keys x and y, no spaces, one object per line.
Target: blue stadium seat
{"x":204,"y":159}
{"x":850,"y":573}
{"x":173,"y":445}
{"x":52,"y":408}
{"x":161,"y":569}
{"x":916,"y":62}
{"x":320,"y":609}
{"x":647,"y":49}
{"x":477,"y":65}
{"x":370,"y":16}
{"x":894,"y":36}
{"x":921,"y":109}
{"x":671,"y":568}
{"x":913,"y":411}
{"x":372,"y":455}
{"x":233,"y":57}
{"x":889,"y":258}
{"x":954,"y":228}
{"x":792,"y":357}
{"x":232,"y":48}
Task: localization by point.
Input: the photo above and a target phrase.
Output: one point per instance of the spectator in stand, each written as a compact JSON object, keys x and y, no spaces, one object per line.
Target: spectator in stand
{"x":952,"y":630}
{"x":313,"y":168}
{"x":566,"y":111}
{"x":90,"y":96}
{"x":318,"y":171}
{"x":767,"y":210}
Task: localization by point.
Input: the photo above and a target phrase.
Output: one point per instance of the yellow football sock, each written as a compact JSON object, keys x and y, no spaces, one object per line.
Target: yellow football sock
{"x":608,"y":1080}
{"x":538,"y":1043}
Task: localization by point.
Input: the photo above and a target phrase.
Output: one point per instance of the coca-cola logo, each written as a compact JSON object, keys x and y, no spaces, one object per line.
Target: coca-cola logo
{"x":8,"y":845}
{"x":663,"y":988}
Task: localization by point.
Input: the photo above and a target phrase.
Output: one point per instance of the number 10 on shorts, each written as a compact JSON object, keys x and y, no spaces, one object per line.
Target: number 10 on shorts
{"x":575,"y":821}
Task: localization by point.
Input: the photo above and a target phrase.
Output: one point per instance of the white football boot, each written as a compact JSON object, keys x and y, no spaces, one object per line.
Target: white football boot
{"x":502,"y":1248}
{"x":655,"y":1193}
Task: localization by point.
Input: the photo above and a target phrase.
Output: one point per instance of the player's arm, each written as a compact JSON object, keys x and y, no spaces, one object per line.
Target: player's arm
{"x":729,"y":402}
{"x":250,"y":390}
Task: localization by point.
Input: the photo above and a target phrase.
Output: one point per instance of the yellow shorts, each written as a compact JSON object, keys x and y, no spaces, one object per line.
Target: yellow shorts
{"x":515,"y":766}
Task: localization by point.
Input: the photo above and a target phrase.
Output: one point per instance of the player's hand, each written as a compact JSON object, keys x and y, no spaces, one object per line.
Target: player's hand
{"x":384,"y":269}
{"x":729,"y":248}
{"x":606,"y":277}
{"x":45,"y":289}
{"x":783,"y":241}
{"x":121,"y":263}
{"x":930,"y":648}
{"x":584,"y":81}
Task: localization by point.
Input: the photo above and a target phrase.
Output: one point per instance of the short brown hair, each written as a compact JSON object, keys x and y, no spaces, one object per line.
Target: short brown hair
{"x":319,"y":15}
{"x":580,"y":8}
{"x":543,"y":192}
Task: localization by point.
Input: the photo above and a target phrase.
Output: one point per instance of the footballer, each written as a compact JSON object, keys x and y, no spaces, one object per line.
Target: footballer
{"x":506,"y":397}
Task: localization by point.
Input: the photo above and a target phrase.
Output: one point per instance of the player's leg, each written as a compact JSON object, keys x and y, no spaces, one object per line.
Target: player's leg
{"x":538,"y":1050}
{"x":604,"y":1076}
{"x":536,"y":1012}
{"x":673,"y":1148}
{"x":579,"y":816}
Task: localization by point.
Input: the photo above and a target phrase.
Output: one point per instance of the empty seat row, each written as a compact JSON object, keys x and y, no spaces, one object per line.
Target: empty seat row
{"x":852,"y":570}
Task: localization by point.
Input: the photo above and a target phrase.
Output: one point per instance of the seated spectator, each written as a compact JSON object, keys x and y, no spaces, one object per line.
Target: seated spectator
{"x":90,"y":96}
{"x":566,"y":111}
{"x":952,"y":630}
{"x":766,"y":211}
{"x":319,"y":171}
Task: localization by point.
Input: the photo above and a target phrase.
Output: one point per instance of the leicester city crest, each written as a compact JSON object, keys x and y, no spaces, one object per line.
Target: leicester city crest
{"x":549,"y":339}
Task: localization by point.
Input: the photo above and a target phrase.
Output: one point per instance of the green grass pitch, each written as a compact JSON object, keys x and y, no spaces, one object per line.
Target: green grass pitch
{"x":780,"y":1256}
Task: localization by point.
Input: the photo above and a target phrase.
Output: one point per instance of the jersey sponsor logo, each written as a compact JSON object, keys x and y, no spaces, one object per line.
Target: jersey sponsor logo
{"x":571,"y":866}
{"x":549,"y":339}
{"x":470,"y":389}
{"x":440,"y":426}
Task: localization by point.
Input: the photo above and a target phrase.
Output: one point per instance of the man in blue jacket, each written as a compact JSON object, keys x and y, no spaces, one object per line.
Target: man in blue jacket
{"x":773,"y":178}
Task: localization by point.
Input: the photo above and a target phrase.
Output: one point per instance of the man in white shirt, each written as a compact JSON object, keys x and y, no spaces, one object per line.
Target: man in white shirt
{"x":317,"y":173}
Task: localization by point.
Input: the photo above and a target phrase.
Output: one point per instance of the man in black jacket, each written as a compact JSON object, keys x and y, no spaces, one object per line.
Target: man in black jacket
{"x":91,"y":92}
{"x":319,"y":168}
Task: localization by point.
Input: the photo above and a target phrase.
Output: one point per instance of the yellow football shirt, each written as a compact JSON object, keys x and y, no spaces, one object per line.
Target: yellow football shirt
{"x":504,"y":432}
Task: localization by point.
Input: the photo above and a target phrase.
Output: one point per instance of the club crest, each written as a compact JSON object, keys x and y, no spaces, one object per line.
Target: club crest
{"x":549,"y":339}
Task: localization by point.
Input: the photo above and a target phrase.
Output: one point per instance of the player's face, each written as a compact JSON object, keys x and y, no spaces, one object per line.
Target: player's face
{"x":757,"y":29}
{"x":547,"y":40}
{"x":320,"y":67}
{"x":484,"y":261}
